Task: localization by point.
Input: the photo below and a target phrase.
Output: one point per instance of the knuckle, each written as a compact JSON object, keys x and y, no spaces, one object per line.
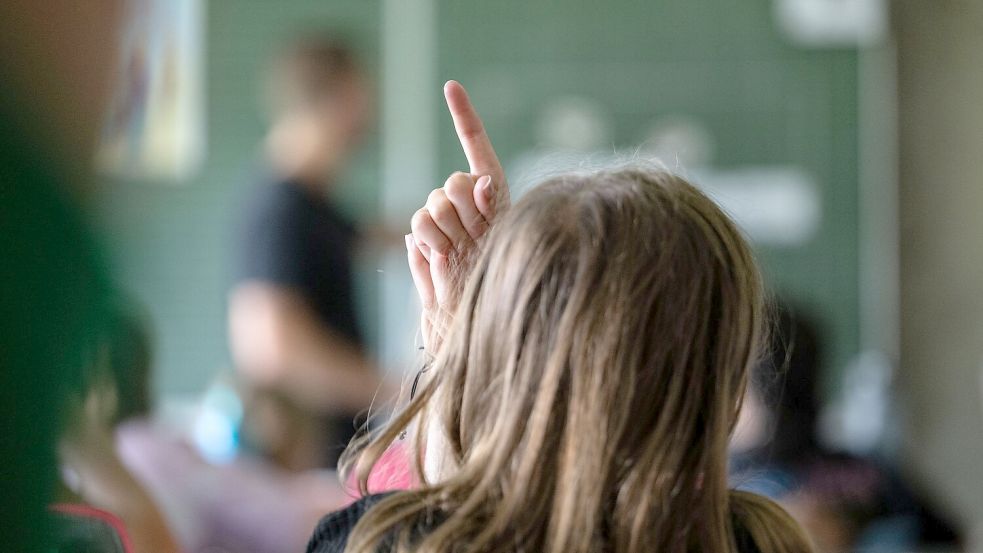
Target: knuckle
{"x":419,"y":265}
{"x":458,"y":188}
{"x":473,"y":132}
{"x":442,"y":210}
{"x":479,"y":227}
{"x":419,"y":219}
{"x":435,"y":195}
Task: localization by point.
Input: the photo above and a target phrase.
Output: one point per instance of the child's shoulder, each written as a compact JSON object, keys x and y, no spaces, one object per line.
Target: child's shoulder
{"x":331,"y":533}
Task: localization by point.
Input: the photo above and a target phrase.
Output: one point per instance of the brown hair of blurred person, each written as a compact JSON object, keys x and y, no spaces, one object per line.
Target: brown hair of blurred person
{"x":584,"y":393}
{"x":319,"y":105}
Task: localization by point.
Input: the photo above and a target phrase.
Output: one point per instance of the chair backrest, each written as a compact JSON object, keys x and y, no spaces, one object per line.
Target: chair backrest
{"x":86,"y":529}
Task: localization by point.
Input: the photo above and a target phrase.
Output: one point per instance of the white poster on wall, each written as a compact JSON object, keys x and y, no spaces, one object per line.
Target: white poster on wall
{"x":832,"y":23}
{"x":155,"y":125}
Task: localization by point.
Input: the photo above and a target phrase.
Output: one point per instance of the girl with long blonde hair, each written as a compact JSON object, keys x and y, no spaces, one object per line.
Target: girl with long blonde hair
{"x":590,"y":349}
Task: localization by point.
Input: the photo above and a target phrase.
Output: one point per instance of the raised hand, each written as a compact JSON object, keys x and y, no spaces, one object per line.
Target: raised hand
{"x":447,"y":229}
{"x":474,"y":141}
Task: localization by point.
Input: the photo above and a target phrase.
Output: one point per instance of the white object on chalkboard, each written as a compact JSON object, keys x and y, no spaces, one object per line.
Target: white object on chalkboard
{"x":832,"y":23}
{"x":777,"y":206}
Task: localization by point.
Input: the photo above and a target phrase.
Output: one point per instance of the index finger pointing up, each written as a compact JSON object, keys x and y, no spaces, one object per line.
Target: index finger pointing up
{"x":471,"y":132}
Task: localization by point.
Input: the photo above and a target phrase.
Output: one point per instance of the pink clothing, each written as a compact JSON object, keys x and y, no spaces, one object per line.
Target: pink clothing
{"x":247,"y":506}
{"x":393,"y":472}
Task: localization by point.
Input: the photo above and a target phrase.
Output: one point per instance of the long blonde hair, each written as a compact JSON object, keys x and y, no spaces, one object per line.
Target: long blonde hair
{"x":585,"y":391}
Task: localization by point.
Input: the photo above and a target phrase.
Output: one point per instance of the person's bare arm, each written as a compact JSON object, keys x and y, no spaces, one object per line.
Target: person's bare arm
{"x":108,"y":485}
{"x":87,"y":447}
{"x":277,"y":341}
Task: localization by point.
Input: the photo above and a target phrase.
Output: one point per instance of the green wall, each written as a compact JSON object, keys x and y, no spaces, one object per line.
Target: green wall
{"x":722,"y":61}
{"x":766,"y":101}
{"x":171,"y":241}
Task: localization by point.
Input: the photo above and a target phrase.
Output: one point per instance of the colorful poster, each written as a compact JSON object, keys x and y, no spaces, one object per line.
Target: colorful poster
{"x":155,"y":127}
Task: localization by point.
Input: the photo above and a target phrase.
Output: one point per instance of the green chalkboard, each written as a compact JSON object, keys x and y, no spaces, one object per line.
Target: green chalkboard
{"x":765,"y":101}
{"x":171,"y":241}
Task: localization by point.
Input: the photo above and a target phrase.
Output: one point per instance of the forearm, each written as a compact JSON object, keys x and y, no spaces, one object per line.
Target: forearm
{"x":149,"y":532}
{"x":105,"y":483}
{"x":279,"y":342}
{"x":324,"y":369}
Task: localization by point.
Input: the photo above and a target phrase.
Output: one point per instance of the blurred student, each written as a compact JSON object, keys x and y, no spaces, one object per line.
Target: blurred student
{"x":124,"y":459}
{"x":589,"y":359}
{"x":845,"y":502}
{"x":294,"y":333}
{"x":95,"y":480}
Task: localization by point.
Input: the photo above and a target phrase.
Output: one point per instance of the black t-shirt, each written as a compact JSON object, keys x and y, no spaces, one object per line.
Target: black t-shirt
{"x":294,"y":238}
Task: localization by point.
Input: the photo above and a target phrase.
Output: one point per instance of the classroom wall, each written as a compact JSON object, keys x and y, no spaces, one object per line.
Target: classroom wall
{"x":941,"y":169}
{"x":766,"y":100}
{"x":170,"y":241}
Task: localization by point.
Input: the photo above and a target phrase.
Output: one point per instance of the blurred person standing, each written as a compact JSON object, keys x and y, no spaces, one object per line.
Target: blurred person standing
{"x":294,"y":333}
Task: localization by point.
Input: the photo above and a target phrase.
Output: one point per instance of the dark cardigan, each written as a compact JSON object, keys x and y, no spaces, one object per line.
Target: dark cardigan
{"x":331,"y":534}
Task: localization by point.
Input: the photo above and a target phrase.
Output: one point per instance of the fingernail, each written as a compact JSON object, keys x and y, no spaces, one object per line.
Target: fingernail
{"x":409,"y":241}
{"x":484,"y":186}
